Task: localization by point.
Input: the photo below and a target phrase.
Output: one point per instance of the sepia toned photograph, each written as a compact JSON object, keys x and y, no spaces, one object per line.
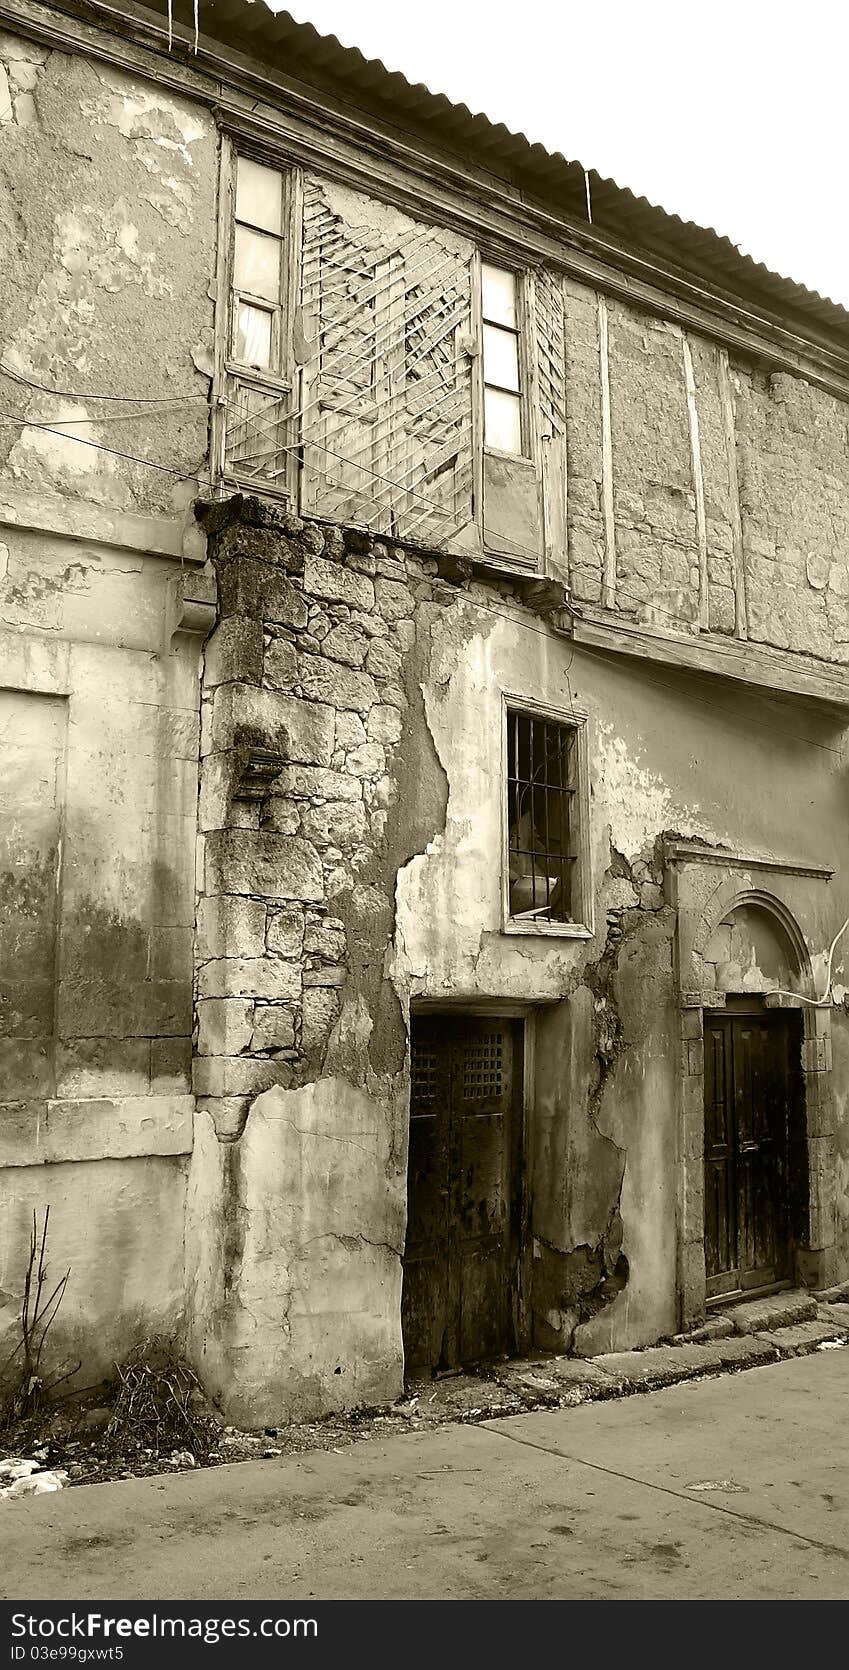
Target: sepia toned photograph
{"x":424,"y":828}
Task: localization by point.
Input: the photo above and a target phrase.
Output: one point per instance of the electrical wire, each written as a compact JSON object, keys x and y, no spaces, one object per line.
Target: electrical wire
{"x":12,"y":419}
{"x":77,"y":394}
{"x":8,"y":418}
{"x":648,"y":678}
{"x":434,"y":509}
{"x":104,"y":422}
{"x":81,"y":440}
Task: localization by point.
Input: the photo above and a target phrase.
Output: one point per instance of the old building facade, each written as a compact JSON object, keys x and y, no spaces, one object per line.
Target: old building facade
{"x":424,"y":625}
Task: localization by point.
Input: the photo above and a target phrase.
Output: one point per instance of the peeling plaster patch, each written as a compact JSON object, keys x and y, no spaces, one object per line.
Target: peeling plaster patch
{"x":138,"y":114}
{"x":176,"y":208}
{"x":636,"y":800}
{"x":460,"y":676}
{"x":203,"y":360}
{"x":5,"y":99}
{"x":103,"y":249}
{"x":639,"y":803}
{"x":23,"y":76}
{"x":15,"y":51}
{"x":26,"y":114}
{"x":60,"y":450}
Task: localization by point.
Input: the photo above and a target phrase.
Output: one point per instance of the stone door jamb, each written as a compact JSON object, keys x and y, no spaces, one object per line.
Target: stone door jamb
{"x":705,"y":885}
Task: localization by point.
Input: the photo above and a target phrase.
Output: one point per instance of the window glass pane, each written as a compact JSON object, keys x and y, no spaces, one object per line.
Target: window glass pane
{"x":503,"y":421}
{"x":498,"y":295}
{"x":500,"y":358}
{"x":257,"y":265}
{"x":542,"y":812}
{"x":253,"y":336}
{"x":258,"y":195}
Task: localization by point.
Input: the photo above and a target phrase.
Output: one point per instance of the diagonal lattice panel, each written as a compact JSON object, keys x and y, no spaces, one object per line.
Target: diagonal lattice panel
{"x":385,"y":420}
{"x":551,"y":353}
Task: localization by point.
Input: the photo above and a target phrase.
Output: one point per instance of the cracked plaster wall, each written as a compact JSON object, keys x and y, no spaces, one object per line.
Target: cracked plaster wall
{"x":666,"y":754}
{"x":107,"y":212}
{"x":318,"y":783}
{"x":351,"y":830}
{"x":98,"y":767}
{"x":107,"y":207}
{"x":790,"y":450}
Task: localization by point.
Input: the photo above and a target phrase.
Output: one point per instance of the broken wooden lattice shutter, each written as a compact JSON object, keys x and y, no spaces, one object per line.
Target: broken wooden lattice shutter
{"x":551,"y":397}
{"x":386,"y":400}
{"x":260,"y":211}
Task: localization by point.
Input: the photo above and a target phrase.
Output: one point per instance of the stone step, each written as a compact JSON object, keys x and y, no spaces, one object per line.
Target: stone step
{"x":777,"y":1310}
{"x":837,"y":1315}
{"x":803,"y":1337}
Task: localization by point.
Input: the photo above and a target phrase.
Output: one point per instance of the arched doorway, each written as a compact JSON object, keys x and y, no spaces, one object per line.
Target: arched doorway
{"x":755,"y":1151}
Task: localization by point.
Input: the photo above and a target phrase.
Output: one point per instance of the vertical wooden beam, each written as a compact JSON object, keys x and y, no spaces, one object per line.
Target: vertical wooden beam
{"x":609,"y":582}
{"x":390,"y":438}
{"x":223,"y":308}
{"x":293,"y":226}
{"x":529,"y":380}
{"x":476,"y":334}
{"x":698,"y":482}
{"x":740,"y":614}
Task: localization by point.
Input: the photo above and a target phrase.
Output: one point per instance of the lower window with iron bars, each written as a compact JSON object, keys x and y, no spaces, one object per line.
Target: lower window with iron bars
{"x":547,"y":863}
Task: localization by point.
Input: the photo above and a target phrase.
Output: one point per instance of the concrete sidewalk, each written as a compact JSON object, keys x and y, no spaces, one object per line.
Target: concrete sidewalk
{"x":729,"y":1487}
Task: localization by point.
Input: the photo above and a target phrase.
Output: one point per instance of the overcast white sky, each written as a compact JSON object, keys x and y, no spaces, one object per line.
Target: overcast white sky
{"x":732,"y":113}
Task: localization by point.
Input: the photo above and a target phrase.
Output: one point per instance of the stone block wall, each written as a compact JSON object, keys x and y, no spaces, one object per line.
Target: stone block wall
{"x":312,"y":732}
{"x":304,"y":707}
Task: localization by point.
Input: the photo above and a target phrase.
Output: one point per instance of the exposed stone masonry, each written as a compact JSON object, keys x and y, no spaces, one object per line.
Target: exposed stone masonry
{"x":304,"y":707}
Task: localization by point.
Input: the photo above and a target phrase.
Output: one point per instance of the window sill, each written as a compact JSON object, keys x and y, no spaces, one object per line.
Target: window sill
{"x":548,"y":930}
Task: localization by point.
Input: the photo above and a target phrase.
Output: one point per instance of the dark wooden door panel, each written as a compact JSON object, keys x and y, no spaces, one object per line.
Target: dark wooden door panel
{"x":425,"y":1306}
{"x":720,"y":1173}
{"x":461,"y":1257}
{"x":747,"y":1114}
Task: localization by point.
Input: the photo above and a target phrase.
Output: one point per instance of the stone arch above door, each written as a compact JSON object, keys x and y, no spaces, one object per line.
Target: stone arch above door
{"x":739,"y":905}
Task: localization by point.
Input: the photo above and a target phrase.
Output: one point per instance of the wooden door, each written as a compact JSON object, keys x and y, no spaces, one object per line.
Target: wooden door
{"x":464,"y":1191}
{"x":748,"y":1089}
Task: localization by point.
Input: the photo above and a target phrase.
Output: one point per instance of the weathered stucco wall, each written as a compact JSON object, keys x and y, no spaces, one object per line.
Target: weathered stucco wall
{"x":667,"y":755}
{"x":351,"y":809}
{"x":98,"y":764}
{"x":107,"y":204}
{"x":107,"y":209}
{"x":729,"y":486}
{"x":317,"y":784}
{"x":350,"y":796}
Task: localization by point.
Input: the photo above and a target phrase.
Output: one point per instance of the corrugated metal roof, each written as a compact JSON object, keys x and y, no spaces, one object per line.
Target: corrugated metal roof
{"x":277,"y":41}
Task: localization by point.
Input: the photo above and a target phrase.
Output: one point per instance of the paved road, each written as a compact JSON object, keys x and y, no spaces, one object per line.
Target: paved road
{"x":598,"y":1501}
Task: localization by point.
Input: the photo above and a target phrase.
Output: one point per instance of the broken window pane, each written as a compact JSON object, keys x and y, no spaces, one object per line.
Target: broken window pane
{"x":253,"y":336}
{"x":501,"y":358}
{"x":257,"y":264}
{"x":258,"y":195}
{"x":498,"y":296}
{"x":542,"y":811}
{"x":503,"y":421}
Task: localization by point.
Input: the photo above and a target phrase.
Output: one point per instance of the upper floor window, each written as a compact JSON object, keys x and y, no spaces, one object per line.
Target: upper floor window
{"x":547,"y":857}
{"x":376,"y":370}
{"x":257,"y":336}
{"x":502,"y":383}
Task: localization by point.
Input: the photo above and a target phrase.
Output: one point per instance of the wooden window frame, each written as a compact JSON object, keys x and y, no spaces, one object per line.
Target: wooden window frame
{"x":284,"y":378}
{"x":575,"y":719}
{"x":520,"y":331}
{"x":531,"y":456}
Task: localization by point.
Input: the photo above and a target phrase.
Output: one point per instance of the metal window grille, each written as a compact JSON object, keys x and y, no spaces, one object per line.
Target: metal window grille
{"x":542,"y":812}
